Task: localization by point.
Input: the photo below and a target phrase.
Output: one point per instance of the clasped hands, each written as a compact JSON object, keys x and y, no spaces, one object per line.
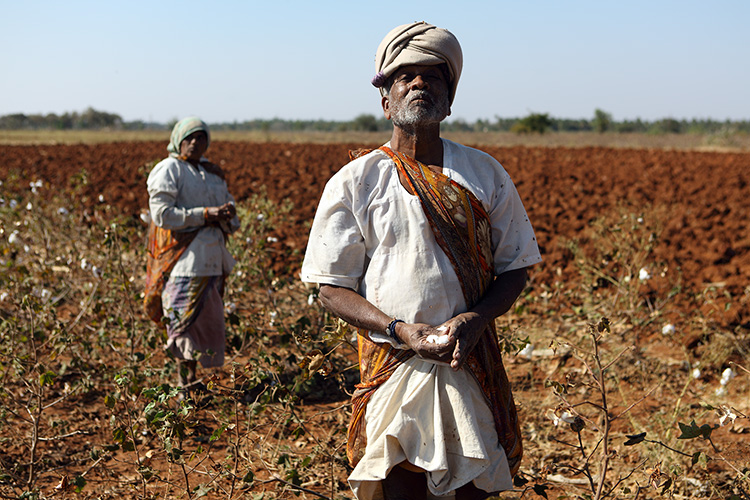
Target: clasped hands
{"x":225,"y":212}
{"x":463,"y":331}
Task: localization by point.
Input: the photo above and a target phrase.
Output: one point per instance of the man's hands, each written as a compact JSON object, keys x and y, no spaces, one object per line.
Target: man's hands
{"x":463,"y":333}
{"x":464,"y":330}
{"x":414,"y":335}
{"x":225,"y":212}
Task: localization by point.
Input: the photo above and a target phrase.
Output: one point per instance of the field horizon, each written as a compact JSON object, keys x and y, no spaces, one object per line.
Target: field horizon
{"x":729,"y":142}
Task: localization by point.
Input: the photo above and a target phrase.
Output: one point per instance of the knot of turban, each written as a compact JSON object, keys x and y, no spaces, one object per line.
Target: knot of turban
{"x":184,"y":128}
{"x":420,"y":44}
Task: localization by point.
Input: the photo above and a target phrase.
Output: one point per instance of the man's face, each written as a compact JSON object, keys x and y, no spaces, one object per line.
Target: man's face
{"x":193,"y":146}
{"x":418,"y":96}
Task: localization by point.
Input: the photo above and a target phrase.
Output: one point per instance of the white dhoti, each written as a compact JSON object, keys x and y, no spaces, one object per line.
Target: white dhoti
{"x":434,"y":418}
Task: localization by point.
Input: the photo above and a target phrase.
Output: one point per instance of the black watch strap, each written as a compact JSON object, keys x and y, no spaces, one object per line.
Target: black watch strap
{"x":391,"y":330}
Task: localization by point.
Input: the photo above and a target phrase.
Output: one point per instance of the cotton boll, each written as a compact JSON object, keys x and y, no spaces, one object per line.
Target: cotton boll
{"x":643,"y":274}
{"x":668,"y":329}
{"x":726,"y":376}
{"x":14,"y":238}
{"x":438,"y":339}
{"x":526,"y":351}
{"x":567,"y":417}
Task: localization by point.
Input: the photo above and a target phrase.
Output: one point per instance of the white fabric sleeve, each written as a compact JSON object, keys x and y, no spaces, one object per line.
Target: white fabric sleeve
{"x":163,"y":189}
{"x":512,"y":234}
{"x":336,"y":252}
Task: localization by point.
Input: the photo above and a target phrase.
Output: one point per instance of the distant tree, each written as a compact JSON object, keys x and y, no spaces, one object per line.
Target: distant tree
{"x":504,"y":124}
{"x":365,"y":123}
{"x":537,"y":123}
{"x":602,"y":121}
{"x":628,"y":126}
{"x":667,"y":126}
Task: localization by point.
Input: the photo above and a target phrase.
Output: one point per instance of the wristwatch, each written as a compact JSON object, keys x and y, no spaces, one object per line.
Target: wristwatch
{"x":390,"y":330}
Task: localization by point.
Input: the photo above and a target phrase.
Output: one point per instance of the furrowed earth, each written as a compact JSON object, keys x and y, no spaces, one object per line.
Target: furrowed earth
{"x":687,"y":213}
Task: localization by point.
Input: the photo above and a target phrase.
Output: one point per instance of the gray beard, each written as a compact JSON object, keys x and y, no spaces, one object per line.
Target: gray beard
{"x":409,"y":117}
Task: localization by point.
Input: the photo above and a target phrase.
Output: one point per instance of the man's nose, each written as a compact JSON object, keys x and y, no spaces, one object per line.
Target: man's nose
{"x":419,"y":83}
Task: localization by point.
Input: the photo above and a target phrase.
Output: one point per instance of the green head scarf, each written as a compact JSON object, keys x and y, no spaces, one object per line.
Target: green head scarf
{"x":184,"y":128}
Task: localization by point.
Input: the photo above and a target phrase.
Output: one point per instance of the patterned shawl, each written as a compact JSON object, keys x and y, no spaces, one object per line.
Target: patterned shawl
{"x":164,"y":249}
{"x":462,"y":229}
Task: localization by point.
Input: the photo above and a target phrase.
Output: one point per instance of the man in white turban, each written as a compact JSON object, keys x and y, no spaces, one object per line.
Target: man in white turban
{"x":421,"y":244}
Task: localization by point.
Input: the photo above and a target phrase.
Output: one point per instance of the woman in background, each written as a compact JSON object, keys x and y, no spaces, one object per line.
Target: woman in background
{"x":192,"y":213}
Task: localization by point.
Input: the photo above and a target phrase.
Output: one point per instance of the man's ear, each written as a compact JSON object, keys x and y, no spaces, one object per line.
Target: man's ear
{"x":386,"y":105}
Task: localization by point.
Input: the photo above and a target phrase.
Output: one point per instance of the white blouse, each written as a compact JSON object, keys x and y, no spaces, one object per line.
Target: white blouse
{"x":178,"y":193}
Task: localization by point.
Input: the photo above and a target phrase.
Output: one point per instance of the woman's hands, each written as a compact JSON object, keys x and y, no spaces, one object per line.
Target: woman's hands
{"x":225,"y":212}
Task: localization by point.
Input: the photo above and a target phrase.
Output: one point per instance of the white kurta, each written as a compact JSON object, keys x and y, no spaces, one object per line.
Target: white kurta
{"x":369,"y":234}
{"x":178,"y":192}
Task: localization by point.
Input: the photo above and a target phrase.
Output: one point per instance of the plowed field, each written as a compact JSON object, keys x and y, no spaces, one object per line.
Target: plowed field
{"x":703,"y":197}
{"x":647,"y":237}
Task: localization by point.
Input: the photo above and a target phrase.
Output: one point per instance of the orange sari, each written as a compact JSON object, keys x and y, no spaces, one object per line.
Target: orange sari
{"x":462,"y":229}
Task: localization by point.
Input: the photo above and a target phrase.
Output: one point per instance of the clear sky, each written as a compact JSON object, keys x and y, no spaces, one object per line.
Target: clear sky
{"x":232,"y":60}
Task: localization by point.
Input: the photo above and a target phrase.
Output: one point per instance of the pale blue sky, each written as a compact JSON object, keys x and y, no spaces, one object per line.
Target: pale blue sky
{"x":232,"y":60}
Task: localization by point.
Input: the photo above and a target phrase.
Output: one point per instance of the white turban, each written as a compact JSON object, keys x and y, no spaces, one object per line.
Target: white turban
{"x":420,"y":44}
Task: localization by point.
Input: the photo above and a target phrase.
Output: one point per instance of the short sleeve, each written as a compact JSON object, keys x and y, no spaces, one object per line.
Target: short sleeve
{"x":336,"y":250}
{"x":515,"y":244}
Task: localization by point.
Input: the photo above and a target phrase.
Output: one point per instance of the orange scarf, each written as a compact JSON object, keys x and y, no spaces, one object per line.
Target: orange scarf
{"x":164,"y":249}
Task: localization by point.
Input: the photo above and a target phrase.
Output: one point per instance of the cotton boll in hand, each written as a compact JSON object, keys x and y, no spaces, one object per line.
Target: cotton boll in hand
{"x":438,"y":339}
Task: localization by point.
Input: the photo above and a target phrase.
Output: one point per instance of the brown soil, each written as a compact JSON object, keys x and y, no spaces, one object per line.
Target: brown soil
{"x":705,"y":195}
{"x":702,"y":199}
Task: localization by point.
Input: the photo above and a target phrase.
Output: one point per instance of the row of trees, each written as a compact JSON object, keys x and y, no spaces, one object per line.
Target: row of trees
{"x":532,"y":123}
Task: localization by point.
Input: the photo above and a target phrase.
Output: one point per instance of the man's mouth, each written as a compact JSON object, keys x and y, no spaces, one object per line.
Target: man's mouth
{"x":421,"y":97}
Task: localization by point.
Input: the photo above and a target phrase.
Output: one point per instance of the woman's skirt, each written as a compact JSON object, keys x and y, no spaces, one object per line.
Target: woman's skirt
{"x":195,"y":311}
